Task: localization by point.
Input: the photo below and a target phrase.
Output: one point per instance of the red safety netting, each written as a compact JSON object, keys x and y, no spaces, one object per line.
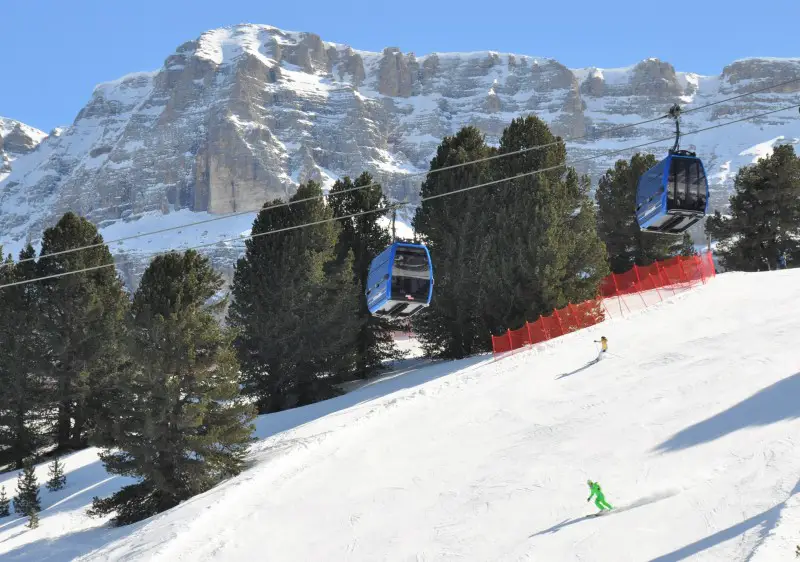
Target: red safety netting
{"x":649,"y":283}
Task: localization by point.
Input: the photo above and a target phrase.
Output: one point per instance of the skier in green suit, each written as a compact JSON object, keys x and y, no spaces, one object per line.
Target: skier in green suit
{"x":600,"y":502}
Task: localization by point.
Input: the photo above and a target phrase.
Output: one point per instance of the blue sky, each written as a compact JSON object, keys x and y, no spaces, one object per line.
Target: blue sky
{"x":55,"y":51}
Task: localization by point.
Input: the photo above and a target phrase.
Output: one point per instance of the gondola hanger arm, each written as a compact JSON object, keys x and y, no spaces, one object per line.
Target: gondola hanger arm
{"x":675,"y":113}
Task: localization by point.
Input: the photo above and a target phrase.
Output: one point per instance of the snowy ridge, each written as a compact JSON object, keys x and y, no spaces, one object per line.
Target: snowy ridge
{"x":690,"y":424}
{"x":16,"y":139}
{"x":791,"y":60}
{"x":7,"y":125}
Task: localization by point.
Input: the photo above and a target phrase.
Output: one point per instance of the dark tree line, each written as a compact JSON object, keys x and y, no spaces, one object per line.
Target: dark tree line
{"x":157,"y":381}
{"x":626,"y":244}
{"x":510,"y":252}
{"x":60,"y":342}
{"x":762,"y":231}
{"x":298,"y":297}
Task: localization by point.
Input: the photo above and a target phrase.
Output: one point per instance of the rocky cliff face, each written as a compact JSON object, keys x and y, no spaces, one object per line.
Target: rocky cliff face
{"x":242,"y":114}
{"x":16,"y":139}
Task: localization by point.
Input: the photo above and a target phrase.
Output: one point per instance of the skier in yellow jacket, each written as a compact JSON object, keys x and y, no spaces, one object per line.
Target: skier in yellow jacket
{"x":603,"y":344}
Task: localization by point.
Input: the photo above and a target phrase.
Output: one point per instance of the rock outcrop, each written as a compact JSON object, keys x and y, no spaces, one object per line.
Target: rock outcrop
{"x":242,"y":114}
{"x":16,"y":139}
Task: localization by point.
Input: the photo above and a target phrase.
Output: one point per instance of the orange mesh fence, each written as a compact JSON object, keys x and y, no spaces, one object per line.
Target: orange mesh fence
{"x":501,"y":344}
{"x":648,"y":282}
{"x":568,"y":323}
{"x":590,"y":313}
{"x":626,"y":283}
{"x":538,"y":331}
{"x":519,"y":338}
{"x":553,"y":325}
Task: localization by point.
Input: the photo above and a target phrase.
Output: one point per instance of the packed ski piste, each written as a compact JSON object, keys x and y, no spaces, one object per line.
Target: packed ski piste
{"x":689,"y":432}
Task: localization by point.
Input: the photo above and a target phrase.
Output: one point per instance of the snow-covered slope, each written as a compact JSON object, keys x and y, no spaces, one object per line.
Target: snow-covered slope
{"x":241,"y":114}
{"x":690,"y":424}
{"x":30,"y":136}
{"x":16,"y":139}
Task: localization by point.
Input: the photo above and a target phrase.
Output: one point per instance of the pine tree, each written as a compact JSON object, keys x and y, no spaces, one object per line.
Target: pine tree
{"x":456,"y":233}
{"x":5,"y":503}
{"x":511,"y":251}
{"x":182,"y":425}
{"x":27,"y":498}
{"x":542,"y":230}
{"x":686,"y":247}
{"x":33,"y":519}
{"x":764,"y":221}
{"x":23,"y":385}
{"x":57,"y":479}
{"x":82,"y":321}
{"x":295,"y":311}
{"x":626,"y":243}
{"x":365,"y":238}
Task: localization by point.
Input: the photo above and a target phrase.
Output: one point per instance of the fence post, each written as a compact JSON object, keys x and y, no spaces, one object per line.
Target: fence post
{"x":597,"y":312}
{"x":665,"y":282}
{"x":696,"y":262}
{"x":558,"y":319}
{"x":510,"y":341}
{"x":683,"y":273}
{"x":544,"y":329}
{"x":603,"y":303}
{"x":619,"y":295}
{"x":711,"y":264}
{"x":571,"y":309}
{"x":660,"y":298}
{"x":530,"y":335}
{"x":639,"y":288}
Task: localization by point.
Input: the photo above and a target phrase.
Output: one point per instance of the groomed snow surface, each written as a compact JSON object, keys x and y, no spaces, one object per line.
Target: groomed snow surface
{"x":690,"y":424}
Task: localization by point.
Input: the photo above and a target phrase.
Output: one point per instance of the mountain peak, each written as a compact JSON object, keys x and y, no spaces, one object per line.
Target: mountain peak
{"x":31,"y":135}
{"x":16,"y":139}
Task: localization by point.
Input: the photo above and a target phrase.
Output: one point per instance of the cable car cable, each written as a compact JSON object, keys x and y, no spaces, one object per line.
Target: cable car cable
{"x":399,"y":205}
{"x":412,"y":175}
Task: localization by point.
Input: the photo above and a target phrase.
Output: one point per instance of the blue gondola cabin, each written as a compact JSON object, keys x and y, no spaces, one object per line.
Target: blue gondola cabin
{"x":672,"y":195}
{"x":400,"y":281}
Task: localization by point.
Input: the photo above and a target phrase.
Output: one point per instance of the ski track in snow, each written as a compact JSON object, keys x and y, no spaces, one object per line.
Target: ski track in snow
{"x":690,"y":427}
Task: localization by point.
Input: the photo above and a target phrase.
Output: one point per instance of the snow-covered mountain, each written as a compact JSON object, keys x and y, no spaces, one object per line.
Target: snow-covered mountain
{"x":16,"y":139}
{"x":690,"y":424}
{"x":243,"y":113}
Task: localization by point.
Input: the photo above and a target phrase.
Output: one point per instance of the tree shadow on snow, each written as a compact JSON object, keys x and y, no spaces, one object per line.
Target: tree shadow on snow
{"x":638,"y":503}
{"x":766,"y":520}
{"x":403,"y":378}
{"x":772,"y":404}
{"x":83,"y":483}
{"x":69,"y":546}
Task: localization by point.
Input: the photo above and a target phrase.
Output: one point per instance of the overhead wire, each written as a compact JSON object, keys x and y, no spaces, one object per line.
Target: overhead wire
{"x":423,"y":199}
{"x":739,"y":96}
{"x":599,"y":134}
